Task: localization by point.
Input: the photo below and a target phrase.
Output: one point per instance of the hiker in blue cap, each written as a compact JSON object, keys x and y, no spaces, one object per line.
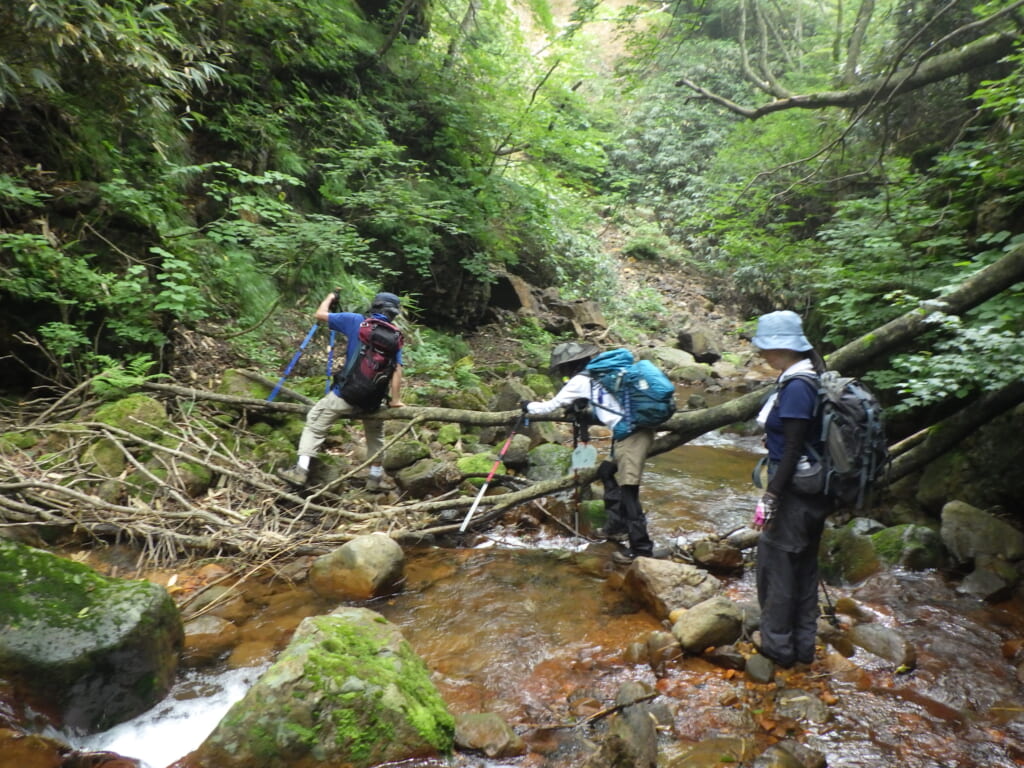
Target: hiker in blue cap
{"x":568,"y":363}
{"x":358,"y":330}
{"x":791,"y":521}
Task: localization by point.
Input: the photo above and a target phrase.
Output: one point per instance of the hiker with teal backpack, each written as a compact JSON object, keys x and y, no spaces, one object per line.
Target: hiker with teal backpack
{"x":371,"y":377}
{"x":590,"y":380}
{"x":790,"y":515}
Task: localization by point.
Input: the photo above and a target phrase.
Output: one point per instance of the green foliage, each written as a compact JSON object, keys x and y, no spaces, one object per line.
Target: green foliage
{"x":536,"y":343}
{"x":886,"y":253}
{"x":442,"y":361}
{"x":15,"y":194}
{"x":398,"y":205}
{"x":61,"y":43}
{"x":118,"y":378}
{"x":951,"y":369}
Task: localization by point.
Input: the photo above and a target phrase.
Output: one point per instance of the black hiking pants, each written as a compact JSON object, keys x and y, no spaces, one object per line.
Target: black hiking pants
{"x":787,"y":589}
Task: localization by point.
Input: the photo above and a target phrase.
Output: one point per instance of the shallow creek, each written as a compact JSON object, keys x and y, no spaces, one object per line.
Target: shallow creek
{"x":534,"y":627}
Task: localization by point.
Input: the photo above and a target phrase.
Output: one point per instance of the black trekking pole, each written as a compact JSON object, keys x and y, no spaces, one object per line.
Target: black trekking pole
{"x":831,"y":614}
{"x":521,"y":421}
{"x":295,"y":359}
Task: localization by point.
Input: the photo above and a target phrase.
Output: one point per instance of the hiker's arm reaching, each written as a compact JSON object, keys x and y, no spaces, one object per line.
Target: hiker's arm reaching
{"x":325,"y":307}
{"x":575,"y":388}
{"x":395,"y":388}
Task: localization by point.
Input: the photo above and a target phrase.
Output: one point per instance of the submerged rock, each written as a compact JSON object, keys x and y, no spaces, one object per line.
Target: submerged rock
{"x":664,"y":586}
{"x":884,"y":642}
{"x":486,"y":732}
{"x":717,"y":621}
{"x":632,"y":737}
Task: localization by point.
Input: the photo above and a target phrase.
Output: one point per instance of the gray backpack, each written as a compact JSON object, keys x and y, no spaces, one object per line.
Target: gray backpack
{"x":856,"y":452}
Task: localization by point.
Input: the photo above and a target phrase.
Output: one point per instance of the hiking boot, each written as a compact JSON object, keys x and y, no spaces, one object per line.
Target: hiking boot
{"x":294,"y":475}
{"x":604,"y":533}
{"x":625,"y":557}
{"x":379,"y":484}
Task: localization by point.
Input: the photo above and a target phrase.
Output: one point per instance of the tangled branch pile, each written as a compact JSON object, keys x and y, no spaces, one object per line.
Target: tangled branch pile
{"x":195,"y":482}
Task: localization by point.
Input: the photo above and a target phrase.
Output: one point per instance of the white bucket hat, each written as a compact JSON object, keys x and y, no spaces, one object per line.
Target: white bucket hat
{"x":781,"y":330}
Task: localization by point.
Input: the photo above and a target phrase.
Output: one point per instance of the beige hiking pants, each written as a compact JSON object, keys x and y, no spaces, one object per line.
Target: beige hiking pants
{"x":322,"y":416}
{"x":630,"y":453}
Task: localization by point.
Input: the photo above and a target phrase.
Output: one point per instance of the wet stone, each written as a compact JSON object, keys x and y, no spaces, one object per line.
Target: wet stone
{"x":760,"y":669}
{"x":801,"y":705}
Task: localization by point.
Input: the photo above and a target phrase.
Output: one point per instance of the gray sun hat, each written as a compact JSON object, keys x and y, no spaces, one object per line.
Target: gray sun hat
{"x":571,"y":351}
{"x":781,"y":330}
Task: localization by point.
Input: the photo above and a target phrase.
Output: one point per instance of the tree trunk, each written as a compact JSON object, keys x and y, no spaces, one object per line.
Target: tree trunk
{"x":949,"y":433}
{"x":856,"y":42}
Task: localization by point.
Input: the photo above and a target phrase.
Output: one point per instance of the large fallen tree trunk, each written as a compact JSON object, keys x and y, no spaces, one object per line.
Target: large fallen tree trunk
{"x":856,"y":355}
{"x":918,"y":450}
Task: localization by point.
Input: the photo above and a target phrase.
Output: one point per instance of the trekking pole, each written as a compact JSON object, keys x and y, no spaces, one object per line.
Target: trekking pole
{"x":522,"y":420}
{"x":295,"y":359}
{"x":330,"y":361}
{"x":831,"y":608}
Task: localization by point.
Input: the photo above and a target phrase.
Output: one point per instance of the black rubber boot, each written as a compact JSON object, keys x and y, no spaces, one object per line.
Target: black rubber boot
{"x":640,"y":544}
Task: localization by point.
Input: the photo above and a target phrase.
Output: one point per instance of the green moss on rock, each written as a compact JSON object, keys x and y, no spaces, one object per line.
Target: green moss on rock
{"x":348,"y":690}
{"x":138,"y":414}
{"x":88,"y":650}
{"x":479,"y":464}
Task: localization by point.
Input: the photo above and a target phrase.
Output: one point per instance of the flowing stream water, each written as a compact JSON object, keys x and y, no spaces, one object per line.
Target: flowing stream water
{"x":535,"y":627}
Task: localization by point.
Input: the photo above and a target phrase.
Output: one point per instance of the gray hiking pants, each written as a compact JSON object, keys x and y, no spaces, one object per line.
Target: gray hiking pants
{"x":322,"y":416}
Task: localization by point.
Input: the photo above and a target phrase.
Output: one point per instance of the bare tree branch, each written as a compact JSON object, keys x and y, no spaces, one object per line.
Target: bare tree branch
{"x":978,"y":53}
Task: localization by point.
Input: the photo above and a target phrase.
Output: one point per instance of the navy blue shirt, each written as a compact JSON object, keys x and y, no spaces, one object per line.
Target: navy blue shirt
{"x":797,"y":399}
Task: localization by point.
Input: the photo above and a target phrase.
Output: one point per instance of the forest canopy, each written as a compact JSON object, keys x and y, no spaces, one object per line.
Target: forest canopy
{"x":212,"y":166}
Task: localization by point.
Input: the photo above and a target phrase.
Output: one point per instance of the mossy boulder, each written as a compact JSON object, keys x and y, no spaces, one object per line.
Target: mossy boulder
{"x":969,"y":532}
{"x":105,"y":457}
{"x":847,"y":554}
{"x":428,"y":477}
{"x":85,"y":651}
{"x":912,"y":546}
{"x":540,"y":384}
{"x":138,"y":414}
{"x":465,"y":400}
{"x":549,"y":461}
{"x":236,"y":383}
{"x":195,"y":479}
{"x":449,"y":434}
{"x":479,"y":464}
{"x":21,"y":440}
{"x":404,"y":453}
{"x":348,"y":691}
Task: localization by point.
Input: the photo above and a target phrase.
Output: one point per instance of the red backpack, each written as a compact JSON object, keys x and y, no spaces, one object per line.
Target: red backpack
{"x":365,"y":379}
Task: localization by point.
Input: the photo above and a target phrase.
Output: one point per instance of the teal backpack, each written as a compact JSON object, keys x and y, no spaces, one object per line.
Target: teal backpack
{"x":646,"y":394}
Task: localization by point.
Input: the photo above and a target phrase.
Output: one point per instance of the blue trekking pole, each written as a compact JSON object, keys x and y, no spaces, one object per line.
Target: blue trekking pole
{"x":330,"y":362}
{"x":295,"y":359}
